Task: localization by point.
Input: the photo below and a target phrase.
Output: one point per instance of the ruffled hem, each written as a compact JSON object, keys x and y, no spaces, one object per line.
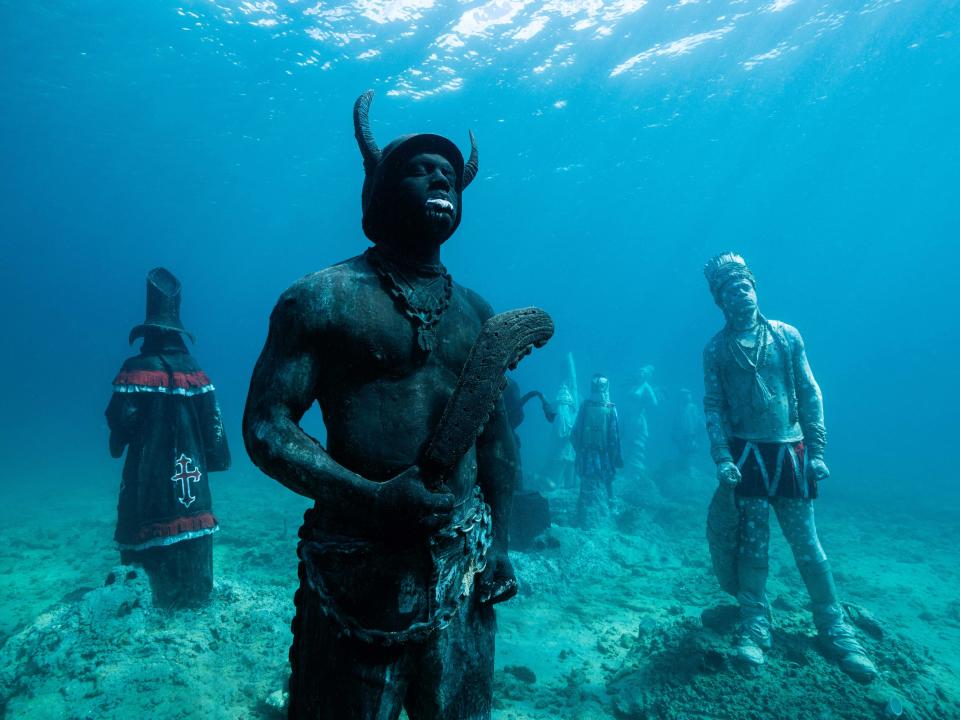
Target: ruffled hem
{"x":177,"y":383}
{"x":170,"y":540}
{"x":179,"y":528}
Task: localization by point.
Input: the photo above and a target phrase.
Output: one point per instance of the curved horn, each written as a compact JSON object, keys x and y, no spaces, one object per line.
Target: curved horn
{"x":473,"y":164}
{"x":361,"y":129}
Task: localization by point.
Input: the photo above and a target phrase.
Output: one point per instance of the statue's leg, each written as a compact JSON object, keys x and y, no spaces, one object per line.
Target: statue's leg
{"x":181,"y":575}
{"x":752,"y":569}
{"x":639,"y":460}
{"x":838,"y":639}
{"x":333,"y":676}
{"x":453,"y":679}
{"x":593,"y":505}
{"x":194,"y":567}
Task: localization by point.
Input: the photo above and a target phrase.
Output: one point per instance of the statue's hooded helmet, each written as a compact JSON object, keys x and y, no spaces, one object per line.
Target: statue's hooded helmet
{"x":382,"y":167}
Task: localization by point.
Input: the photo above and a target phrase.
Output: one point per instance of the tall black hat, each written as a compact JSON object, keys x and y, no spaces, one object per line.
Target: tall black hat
{"x":163,"y":305}
{"x":382,"y":166}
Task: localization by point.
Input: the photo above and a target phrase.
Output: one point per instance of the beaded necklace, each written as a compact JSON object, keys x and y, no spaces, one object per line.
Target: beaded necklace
{"x":422,"y":292}
{"x":762,"y":394}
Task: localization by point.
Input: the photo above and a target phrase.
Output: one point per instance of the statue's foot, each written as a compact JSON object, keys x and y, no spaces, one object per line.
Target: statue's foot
{"x":750,"y":654}
{"x":859,"y":667}
{"x":840,"y":643}
{"x":751,"y":645}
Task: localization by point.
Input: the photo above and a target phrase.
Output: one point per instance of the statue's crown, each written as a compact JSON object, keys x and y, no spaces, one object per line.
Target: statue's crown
{"x":723,"y":268}
{"x":719,"y":265}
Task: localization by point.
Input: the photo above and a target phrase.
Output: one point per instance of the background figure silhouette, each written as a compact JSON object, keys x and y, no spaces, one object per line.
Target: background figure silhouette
{"x":164,"y":412}
{"x":596,"y":440}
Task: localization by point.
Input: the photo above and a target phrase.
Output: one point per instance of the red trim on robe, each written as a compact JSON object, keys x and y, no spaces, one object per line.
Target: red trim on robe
{"x":161,"y":378}
{"x":205,"y":521}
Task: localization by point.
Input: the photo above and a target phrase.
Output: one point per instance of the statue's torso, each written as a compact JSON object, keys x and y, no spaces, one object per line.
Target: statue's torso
{"x":381,"y":396}
{"x":595,"y":419}
{"x":773,"y":421}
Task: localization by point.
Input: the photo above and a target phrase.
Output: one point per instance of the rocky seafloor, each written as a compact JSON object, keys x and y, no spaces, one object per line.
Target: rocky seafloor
{"x":623,"y":623}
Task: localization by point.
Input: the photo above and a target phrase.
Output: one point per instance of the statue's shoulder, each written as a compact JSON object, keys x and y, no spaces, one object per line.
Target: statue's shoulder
{"x":333,"y":279}
{"x":141,"y":362}
{"x":472,"y":298}
{"x":323,"y":294}
{"x":713,"y":346}
{"x":787,"y":332}
{"x":336,"y":280}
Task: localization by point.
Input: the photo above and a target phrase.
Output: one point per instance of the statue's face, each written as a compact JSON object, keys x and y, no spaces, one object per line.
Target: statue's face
{"x":600,"y":384}
{"x":739,"y":299}
{"x":427,"y":196}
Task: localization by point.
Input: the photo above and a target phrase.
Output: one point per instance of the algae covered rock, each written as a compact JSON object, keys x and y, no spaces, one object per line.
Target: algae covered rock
{"x":108,"y":653}
{"x":67,"y":639}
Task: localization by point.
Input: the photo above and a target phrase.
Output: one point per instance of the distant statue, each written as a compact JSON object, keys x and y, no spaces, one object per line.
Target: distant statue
{"x":596,"y":440}
{"x":561,"y":460}
{"x":687,"y":426}
{"x":764,"y":415}
{"x":513,"y":403}
{"x":643,"y":397}
{"x":164,"y":412}
{"x":531,"y":511}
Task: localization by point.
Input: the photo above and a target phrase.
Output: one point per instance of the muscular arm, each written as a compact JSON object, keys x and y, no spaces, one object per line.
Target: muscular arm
{"x":715,"y":407}
{"x":809,"y":398}
{"x":281,"y":391}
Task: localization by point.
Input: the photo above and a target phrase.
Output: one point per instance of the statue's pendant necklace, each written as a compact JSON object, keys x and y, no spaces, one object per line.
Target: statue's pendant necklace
{"x":422,"y":293}
{"x":762,"y":395}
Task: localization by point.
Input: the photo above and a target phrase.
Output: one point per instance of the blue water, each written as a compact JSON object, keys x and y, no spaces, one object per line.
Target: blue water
{"x":818,"y":139}
{"x":621,"y":145}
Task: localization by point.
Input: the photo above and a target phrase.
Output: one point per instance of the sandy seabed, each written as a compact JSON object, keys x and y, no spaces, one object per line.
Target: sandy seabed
{"x":626,"y":622}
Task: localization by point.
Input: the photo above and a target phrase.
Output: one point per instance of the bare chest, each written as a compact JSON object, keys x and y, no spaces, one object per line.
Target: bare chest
{"x":376,"y":338}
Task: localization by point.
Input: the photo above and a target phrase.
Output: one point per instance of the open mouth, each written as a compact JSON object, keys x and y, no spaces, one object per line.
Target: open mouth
{"x":439,"y":205}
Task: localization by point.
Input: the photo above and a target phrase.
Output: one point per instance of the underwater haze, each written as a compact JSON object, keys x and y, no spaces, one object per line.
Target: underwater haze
{"x":621,"y":145}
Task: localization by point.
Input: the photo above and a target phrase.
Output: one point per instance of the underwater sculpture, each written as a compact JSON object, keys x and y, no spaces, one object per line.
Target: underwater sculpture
{"x":561,"y":458}
{"x":596,"y":440}
{"x":687,"y":426}
{"x":163,"y":410}
{"x":405,"y":552}
{"x":643,"y":398}
{"x":514,"y":402}
{"x":531,"y":511}
{"x":764,"y":417}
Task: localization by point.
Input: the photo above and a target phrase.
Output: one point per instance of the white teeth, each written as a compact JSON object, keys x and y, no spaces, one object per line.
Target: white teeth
{"x":440,"y":203}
